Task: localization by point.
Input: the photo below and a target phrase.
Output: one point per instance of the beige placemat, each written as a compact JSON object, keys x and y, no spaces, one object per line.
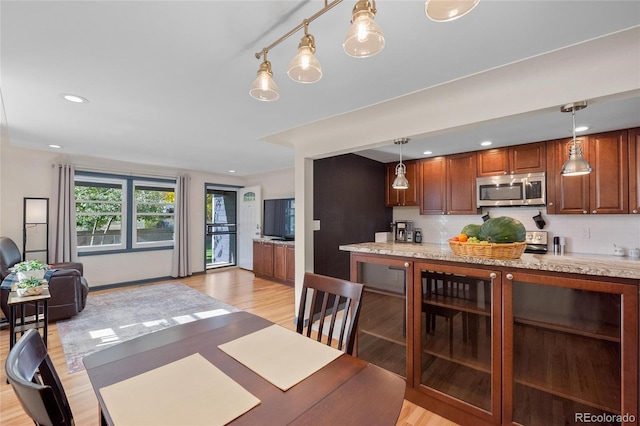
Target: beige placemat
{"x":279,"y":355}
{"x":190,"y":391}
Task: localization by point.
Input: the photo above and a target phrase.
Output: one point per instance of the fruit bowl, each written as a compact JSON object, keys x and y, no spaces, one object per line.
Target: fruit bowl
{"x":488,"y":251}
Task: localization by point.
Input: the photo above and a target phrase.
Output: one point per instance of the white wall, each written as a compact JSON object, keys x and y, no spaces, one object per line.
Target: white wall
{"x":28,"y":173}
{"x":604,"y":230}
{"x":276,"y":184}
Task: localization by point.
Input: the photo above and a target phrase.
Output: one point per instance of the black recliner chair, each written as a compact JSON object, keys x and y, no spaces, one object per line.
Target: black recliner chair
{"x":67,"y":286}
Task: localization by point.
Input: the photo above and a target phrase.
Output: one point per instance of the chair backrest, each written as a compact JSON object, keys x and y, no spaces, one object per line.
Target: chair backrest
{"x":36,"y":383}
{"x":9,"y":256}
{"x":340,"y":303}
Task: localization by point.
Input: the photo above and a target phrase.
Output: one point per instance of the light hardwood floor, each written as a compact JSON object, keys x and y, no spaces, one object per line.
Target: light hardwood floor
{"x":235,"y":286}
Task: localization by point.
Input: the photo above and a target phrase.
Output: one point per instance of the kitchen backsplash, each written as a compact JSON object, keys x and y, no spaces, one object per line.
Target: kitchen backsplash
{"x":593,"y":234}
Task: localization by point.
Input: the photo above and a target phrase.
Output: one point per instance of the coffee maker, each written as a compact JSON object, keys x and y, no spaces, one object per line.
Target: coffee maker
{"x":403,"y":231}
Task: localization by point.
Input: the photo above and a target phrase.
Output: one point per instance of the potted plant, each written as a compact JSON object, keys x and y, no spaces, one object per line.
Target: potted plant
{"x":29,"y":268}
{"x":31,"y":286}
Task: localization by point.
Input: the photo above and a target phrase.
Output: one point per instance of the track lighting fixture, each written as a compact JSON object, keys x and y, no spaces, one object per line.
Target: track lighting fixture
{"x":364,"y":37}
{"x":401,"y":182}
{"x":305,"y":68}
{"x":576,"y":165}
{"x":448,"y":10}
{"x":263,"y":87}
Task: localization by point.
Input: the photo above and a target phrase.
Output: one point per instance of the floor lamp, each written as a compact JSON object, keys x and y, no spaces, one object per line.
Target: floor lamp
{"x":35,"y":230}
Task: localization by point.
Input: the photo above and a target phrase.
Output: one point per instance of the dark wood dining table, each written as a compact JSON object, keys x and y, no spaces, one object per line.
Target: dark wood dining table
{"x":347,"y":391}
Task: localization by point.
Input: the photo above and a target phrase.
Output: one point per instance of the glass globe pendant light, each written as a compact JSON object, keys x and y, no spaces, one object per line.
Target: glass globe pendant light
{"x":263,"y":87}
{"x":400,"y":182}
{"x":305,"y":68}
{"x":576,"y":165}
{"x":364,"y":37}
{"x":448,"y":10}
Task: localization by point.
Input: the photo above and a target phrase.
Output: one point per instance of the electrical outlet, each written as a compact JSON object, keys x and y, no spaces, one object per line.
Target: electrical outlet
{"x":586,"y":233}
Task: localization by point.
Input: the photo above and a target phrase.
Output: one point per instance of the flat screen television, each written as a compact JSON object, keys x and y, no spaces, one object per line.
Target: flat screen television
{"x":278,"y":220}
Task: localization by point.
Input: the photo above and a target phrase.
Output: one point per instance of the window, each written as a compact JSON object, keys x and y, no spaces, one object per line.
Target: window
{"x":154,"y":207}
{"x":120,"y":213}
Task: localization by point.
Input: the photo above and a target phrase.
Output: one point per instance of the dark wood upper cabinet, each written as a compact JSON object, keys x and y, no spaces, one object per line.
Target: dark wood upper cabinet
{"x":609,"y":181}
{"x":565,"y":194}
{"x":448,"y":184}
{"x":605,"y":190}
{"x":433,"y":185}
{"x":528,"y":158}
{"x":461,"y":183}
{"x":402,"y":197}
{"x":634,"y":170}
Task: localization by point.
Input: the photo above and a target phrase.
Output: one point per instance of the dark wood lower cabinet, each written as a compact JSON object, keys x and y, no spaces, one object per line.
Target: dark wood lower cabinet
{"x":263,"y":259}
{"x":274,"y":260}
{"x":497,"y":345}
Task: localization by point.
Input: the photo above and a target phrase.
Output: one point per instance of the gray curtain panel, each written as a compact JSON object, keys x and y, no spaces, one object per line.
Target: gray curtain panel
{"x":181,"y":262}
{"x":62,"y":241}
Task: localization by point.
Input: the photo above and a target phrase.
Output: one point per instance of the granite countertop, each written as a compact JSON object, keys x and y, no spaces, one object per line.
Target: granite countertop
{"x":598,"y":265}
{"x":269,"y":240}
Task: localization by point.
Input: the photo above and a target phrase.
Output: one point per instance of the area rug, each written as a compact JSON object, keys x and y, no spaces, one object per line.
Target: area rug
{"x":114,"y":317}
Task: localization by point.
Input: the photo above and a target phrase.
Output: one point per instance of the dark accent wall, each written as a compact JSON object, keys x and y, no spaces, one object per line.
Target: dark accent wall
{"x":348,"y":199}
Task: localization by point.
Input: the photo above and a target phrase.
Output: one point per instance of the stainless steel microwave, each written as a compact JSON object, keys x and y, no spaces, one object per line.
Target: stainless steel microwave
{"x":511,"y":190}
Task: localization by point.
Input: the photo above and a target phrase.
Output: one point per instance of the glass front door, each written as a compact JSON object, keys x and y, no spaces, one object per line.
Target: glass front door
{"x":220,"y":228}
{"x":458,"y":339}
{"x":573,"y":346}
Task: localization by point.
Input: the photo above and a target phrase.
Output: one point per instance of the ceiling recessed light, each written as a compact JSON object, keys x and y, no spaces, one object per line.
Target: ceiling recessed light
{"x":427,"y":153}
{"x":74,"y":98}
{"x":582,"y":128}
{"x":54,"y":146}
{"x":232,"y":171}
{"x":486,"y":143}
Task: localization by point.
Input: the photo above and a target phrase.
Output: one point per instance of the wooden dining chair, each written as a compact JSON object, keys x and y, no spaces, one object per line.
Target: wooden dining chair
{"x":334,"y":300}
{"x":36,"y":383}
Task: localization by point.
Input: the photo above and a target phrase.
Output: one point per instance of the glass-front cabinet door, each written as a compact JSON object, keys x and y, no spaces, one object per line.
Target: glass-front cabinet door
{"x":457,"y":343}
{"x":383,"y":327}
{"x":572,"y":351}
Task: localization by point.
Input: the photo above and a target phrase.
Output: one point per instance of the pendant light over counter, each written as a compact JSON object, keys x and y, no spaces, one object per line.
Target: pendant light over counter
{"x":363,"y":39}
{"x":401,"y":181}
{"x":576,"y":165}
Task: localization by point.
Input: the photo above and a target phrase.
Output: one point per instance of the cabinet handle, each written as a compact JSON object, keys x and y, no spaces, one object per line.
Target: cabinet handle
{"x":584,"y":212}
{"x":595,"y":212}
{"x":635,"y":211}
{"x":509,"y":277}
{"x":406,"y":264}
{"x":550,"y":204}
{"x":493,"y":275}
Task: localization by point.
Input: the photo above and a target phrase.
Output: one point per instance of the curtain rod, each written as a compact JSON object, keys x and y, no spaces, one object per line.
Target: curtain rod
{"x":91,"y":169}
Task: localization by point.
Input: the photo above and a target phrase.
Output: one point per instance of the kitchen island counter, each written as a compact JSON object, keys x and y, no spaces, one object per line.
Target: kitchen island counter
{"x":584,"y":264}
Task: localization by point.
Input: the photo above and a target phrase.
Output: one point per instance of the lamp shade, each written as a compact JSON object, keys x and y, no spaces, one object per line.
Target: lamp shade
{"x":576,"y":165}
{"x":364,"y":37}
{"x":263,"y":87}
{"x":305,"y":68}
{"x":448,"y":10}
{"x":400,"y":182}
{"x":36,"y":210}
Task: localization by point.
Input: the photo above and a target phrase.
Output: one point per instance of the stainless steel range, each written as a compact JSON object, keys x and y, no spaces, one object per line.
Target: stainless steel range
{"x":536,"y":242}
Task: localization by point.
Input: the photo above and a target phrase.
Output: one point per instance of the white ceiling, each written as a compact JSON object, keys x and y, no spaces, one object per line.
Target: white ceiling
{"x":168,"y":81}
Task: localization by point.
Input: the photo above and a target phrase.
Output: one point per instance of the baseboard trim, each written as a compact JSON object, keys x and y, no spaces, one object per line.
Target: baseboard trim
{"x":136,"y":282}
